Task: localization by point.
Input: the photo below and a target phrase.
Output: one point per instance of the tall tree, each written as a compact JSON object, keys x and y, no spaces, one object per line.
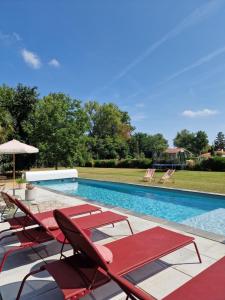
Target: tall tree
{"x":185,"y":139}
{"x":109,"y":130}
{"x":19,"y":102}
{"x":219,"y":143}
{"x":200,"y":142}
{"x":108,"y":120}
{"x":57,"y":128}
{"x":6,"y":125}
{"x":194,"y":142}
{"x":142,"y":143}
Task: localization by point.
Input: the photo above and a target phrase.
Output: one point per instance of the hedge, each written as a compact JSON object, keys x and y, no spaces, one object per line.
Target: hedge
{"x":143,"y":163}
{"x":213,"y":164}
{"x":123,"y":163}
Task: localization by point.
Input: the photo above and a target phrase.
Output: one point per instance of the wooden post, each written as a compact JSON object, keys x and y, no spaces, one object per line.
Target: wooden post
{"x":14,"y":172}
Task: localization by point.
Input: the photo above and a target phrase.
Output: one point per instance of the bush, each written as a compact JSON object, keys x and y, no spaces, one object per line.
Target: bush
{"x":89,"y":163}
{"x":124,"y":163}
{"x":143,"y":163}
{"x":105,"y":163}
{"x":213,"y":164}
{"x":191,"y":164}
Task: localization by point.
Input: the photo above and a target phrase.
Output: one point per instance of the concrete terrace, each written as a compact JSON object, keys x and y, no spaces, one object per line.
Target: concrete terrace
{"x":158,"y":278}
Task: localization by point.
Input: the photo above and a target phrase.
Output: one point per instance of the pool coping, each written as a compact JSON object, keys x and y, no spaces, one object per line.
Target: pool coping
{"x":177,"y":226}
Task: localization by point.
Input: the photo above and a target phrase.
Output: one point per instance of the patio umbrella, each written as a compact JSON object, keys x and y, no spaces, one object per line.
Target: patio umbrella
{"x":15,"y":147}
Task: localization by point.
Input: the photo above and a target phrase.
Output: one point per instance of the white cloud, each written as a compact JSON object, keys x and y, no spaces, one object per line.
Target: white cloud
{"x":31,"y":59}
{"x":17,"y":36}
{"x":54,"y":63}
{"x":138,"y":117}
{"x":199,"y":113}
{"x":9,"y":38}
{"x":140,"y":105}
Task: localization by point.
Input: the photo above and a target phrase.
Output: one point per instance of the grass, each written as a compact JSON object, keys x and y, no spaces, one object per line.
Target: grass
{"x":193,"y":180}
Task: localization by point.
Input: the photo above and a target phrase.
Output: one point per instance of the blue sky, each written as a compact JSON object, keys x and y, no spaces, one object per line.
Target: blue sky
{"x":162,"y":61}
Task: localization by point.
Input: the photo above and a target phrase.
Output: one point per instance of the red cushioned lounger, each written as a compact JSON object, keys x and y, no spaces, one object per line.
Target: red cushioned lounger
{"x":208,"y":285}
{"x":27,"y":220}
{"x":86,"y":269}
{"x":132,"y":291}
{"x":15,"y":222}
{"x":48,"y":228}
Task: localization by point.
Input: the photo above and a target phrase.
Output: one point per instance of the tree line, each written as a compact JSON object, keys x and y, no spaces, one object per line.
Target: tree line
{"x":69,"y":132}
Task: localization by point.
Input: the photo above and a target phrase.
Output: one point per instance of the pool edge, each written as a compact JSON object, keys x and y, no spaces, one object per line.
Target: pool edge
{"x":159,"y":187}
{"x":177,"y":226}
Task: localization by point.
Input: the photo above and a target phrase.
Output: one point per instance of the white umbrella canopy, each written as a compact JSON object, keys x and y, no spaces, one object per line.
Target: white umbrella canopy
{"x":15,"y":147}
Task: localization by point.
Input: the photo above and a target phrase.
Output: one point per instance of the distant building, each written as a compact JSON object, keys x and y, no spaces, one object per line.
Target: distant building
{"x":171,"y":158}
{"x":205,"y":155}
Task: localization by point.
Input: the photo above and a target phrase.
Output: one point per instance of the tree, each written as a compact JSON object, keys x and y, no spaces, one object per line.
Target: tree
{"x":193,"y":142}
{"x":200,"y":142}
{"x":109,"y":130}
{"x":6,"y":125}
{"x":108,"y":120}
{"x":219,"y":142}
{"x":184,"y":139}
{"x":108,"y":148}
{"x":142,"y":143}
{"x":19,"y":102}
{"x":57,"y":128}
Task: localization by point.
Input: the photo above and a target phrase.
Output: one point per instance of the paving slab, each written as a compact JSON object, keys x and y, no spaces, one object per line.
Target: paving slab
{"x":158,"y":278}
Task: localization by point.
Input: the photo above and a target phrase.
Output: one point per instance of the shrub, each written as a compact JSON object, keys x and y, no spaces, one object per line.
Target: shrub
{"x":123,"y":163}
{"x":105,"y":163}
{"x":135,"y":163}
{"x":191,"y":164}
{"x":21,"y":180}
{"x":219,"y":153}
{"x":89,"y":163}
{"x":215,"y":163}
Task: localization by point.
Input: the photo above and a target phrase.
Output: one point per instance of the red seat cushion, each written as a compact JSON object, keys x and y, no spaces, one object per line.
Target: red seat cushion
{"x":105,"y":252}
{"x":50,"y":223}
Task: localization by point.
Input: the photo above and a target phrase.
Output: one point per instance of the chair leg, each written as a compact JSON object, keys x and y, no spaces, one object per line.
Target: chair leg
{"x":131,"y":230}
{"x":5,"y":230}
{"x":61,"y":250}
{"x":24,"y":280}
{"x":4,"y":210}
{"x":15,"y":212}
{"x":7,"y":236}
{"x":10,"y":251}
{"x":198,"y":254}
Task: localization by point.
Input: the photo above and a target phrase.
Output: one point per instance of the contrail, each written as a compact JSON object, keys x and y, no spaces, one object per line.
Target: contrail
{"x":197,"y":16}
{"x":205,"y":59}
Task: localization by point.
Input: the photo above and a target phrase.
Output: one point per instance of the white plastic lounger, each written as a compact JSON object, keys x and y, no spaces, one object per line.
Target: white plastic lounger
{"x":49,"y":175}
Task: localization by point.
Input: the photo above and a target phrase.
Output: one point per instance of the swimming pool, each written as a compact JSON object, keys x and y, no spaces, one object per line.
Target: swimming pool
{"x":203,"y":211}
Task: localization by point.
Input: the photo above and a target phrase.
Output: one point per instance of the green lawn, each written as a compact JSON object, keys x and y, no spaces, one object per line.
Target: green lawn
{"x":194,"y":180}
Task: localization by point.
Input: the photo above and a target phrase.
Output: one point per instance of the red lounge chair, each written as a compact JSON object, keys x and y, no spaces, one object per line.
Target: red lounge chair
{"x":131,"y":290}
{"x":208,"y":285}
{"x":19,"y":222}
{"x":47,"y":231}
{"x":79,"y":274}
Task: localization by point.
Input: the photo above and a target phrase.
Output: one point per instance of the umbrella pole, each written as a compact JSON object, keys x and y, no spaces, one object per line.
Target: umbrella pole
{"x":14,"y":173}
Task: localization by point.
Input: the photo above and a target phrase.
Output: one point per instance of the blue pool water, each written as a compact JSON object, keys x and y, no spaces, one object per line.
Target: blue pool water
{"x":203,"y":211}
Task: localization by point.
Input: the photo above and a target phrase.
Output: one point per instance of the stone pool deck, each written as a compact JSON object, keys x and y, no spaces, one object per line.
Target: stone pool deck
{"x":158,"y":278}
